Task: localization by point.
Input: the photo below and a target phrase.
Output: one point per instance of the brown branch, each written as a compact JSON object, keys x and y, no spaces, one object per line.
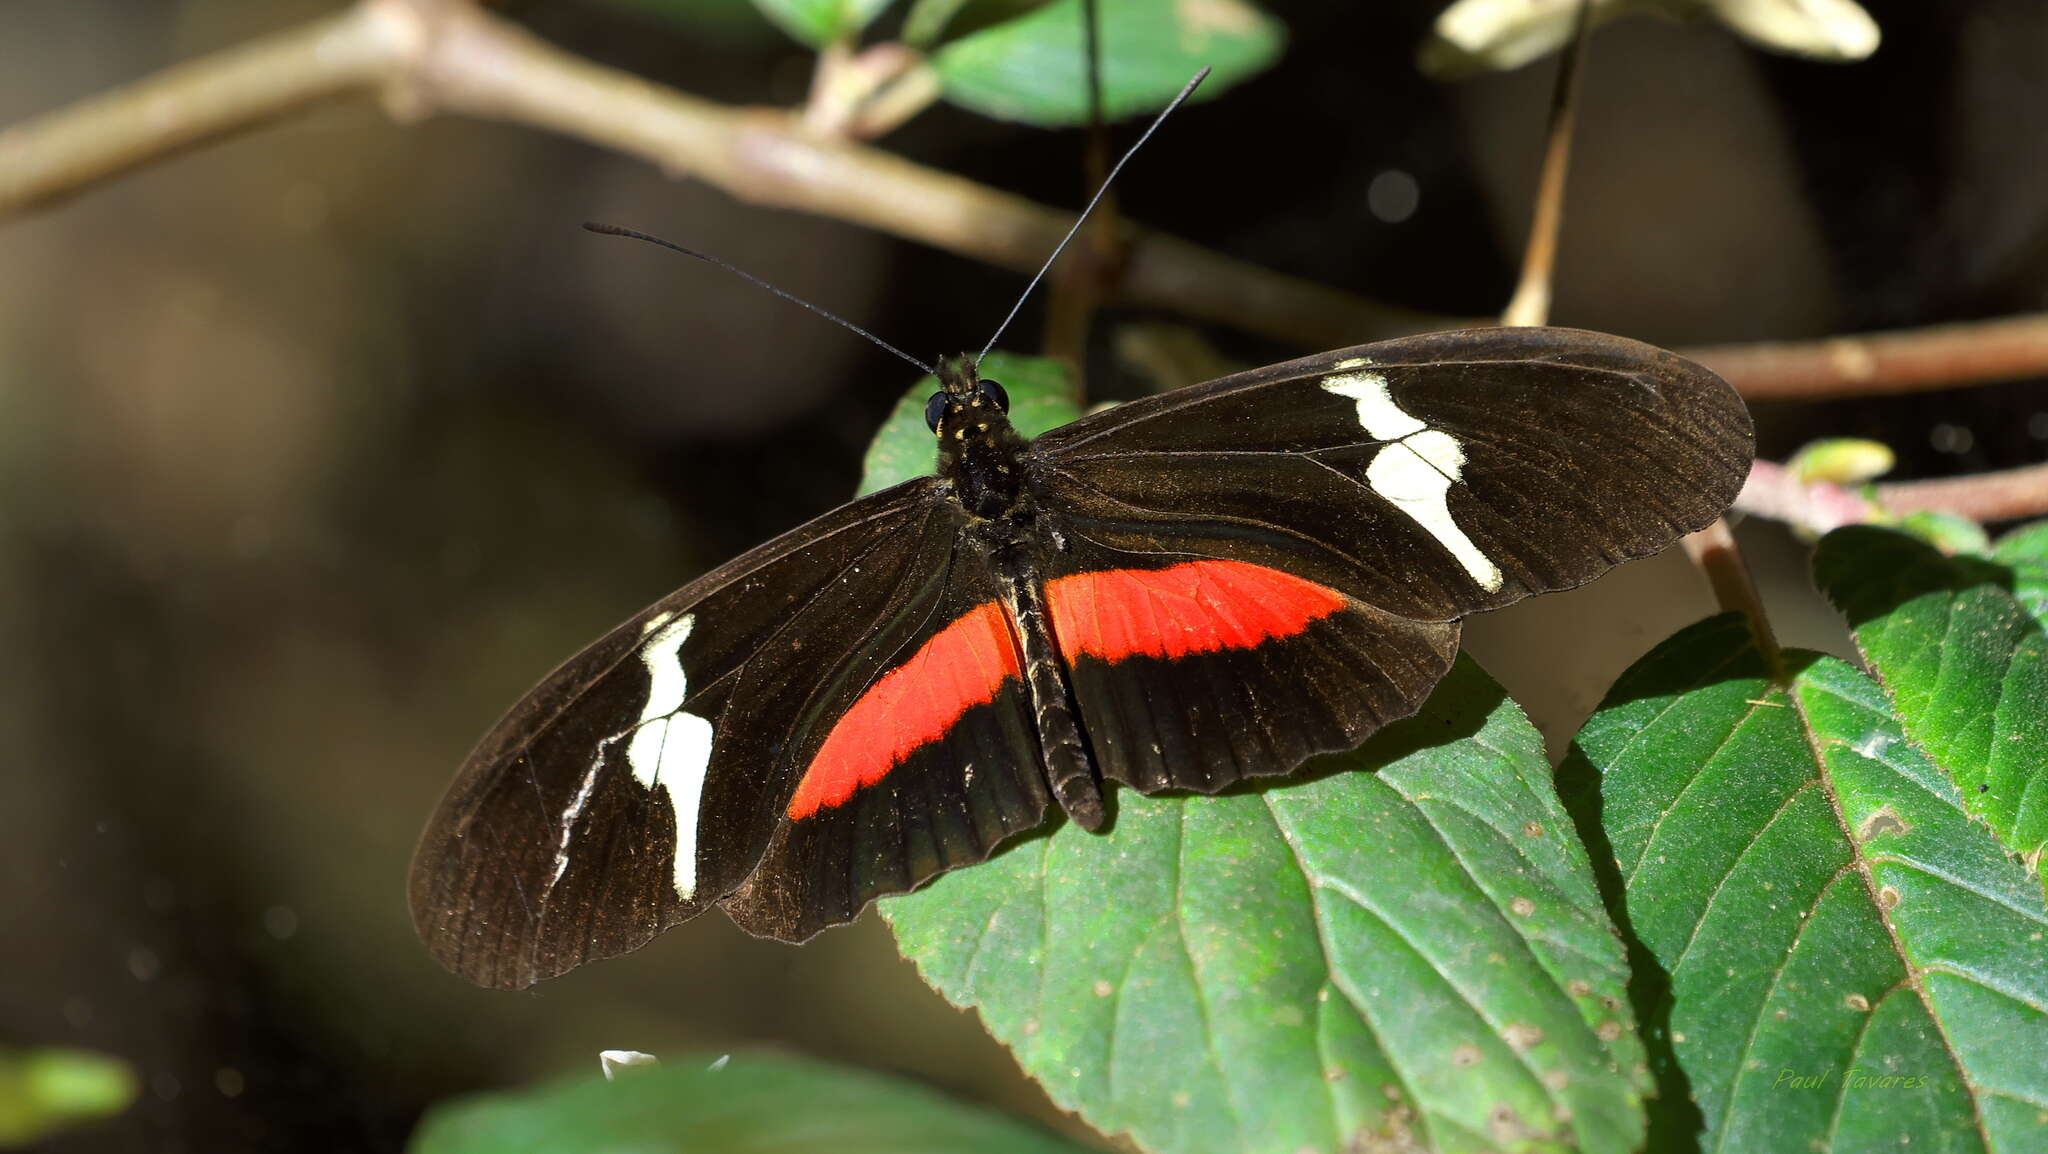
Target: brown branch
{"x":1911,"y":360}
{"x":1773,"y":491}
{"x":433,"y":55}
{"x":48,"y":157}
{"x":1999,"y":496}
{"x":485,"y":68}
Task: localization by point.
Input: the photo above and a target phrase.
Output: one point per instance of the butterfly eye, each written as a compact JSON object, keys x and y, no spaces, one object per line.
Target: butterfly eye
{"x":997,"y":394}
{"x":934,"y":409}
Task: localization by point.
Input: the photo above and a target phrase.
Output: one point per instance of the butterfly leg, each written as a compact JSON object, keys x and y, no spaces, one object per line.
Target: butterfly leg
{"x":1068,"y":767}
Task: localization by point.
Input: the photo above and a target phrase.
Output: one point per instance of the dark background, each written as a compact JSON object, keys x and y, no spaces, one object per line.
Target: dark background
{"x":318,"y":446}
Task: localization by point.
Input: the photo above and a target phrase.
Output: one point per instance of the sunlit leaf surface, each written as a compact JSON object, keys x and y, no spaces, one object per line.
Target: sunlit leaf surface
{"x":2024,"y":552}
{"x":820,"y":22}
{"x":1034,"y":68}
{"x":1964,"y":664}
{"x":1835,"y":956}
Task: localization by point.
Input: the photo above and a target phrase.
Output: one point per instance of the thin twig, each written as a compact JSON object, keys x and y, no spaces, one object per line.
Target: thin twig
{"x":1093,"y":265}
{"x":1531,"y":302}
{"x":1714,"y":552}
{"x":1910,"y":360}
{"x":1999,"y":496}
{"x":1775,"y":492}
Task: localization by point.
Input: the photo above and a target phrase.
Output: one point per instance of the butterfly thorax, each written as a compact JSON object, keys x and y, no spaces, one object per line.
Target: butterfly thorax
{"x":980,"y":452}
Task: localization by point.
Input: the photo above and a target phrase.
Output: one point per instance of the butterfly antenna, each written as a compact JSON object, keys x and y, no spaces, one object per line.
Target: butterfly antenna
{"x":1177,"y":101}
{"x":615,"y":230}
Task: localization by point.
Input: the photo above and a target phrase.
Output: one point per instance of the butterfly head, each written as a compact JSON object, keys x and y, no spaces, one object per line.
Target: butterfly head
{"x":965,"y":401}
{"x":979,"y":450}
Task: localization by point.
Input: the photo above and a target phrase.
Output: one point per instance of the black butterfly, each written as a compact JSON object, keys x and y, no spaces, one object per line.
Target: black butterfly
{"x":1178,"y":593}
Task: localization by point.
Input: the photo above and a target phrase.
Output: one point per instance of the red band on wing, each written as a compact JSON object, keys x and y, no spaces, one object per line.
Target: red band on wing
{"x":1195,"y":607}
{"x":962,"y":666}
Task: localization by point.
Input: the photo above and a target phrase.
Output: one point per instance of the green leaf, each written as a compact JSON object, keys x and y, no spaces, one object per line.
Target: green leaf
{"x":1033,"y":68}
{"x":927,"y":20}
{"x":752,"y":1104}
{"x":1832,"y":955}
{"x":1965,"y":664}
{"x":1412,"y":957}
{"x":1945,"y":531}
{"x":2024,"y":552}
{"x":1042,"y":397}
{"x":820,"y":22}
{"x":43,"y":1092}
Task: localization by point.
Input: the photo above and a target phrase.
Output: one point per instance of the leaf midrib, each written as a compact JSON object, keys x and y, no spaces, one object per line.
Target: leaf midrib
{"x":1817,"y":752}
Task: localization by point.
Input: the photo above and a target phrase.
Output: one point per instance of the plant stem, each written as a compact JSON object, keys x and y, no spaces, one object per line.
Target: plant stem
{"x":1531,"y":302}
{"x":1818,"y":506}
{"x":48,"y":157}
{"x":1910,"y":360}
{"x":1714,"y":553}
{"x":1999,"y":496}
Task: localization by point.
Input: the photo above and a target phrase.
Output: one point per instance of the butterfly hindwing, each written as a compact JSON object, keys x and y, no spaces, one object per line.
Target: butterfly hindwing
{"x":1430,"y":477}
{"x":1197,"y":673}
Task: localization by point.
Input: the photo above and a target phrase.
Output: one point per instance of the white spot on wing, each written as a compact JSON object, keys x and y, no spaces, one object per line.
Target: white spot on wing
{"x":672,"y":749}
{"x":1416,"y":469}
{"x":1353,"y":362}
{"x":1377,"y":412}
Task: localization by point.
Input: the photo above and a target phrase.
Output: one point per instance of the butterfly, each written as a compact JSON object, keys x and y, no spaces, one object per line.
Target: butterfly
{"x":1178,"y":593}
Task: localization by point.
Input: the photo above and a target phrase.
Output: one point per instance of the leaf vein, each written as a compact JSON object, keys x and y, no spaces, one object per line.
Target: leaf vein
{"x":1180,"y":924}
{"x":1756,"y":1024}
{"x":1423,"y":1118}
{"x":1707,"y":912}
{"x":1720,"y":747}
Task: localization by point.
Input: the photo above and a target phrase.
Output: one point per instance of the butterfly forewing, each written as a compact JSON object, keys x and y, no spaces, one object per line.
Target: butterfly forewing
{"x":642,"y":781}
{"x":1430,"y":477}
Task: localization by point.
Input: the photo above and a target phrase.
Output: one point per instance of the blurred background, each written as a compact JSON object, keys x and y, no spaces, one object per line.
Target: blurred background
{"x":319,"y":445}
